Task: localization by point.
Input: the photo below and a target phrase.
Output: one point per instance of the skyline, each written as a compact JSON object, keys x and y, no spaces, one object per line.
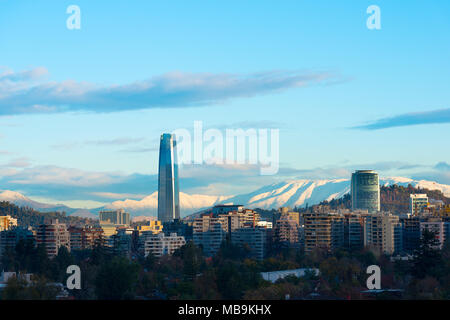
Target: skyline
{"x":344,"y":97}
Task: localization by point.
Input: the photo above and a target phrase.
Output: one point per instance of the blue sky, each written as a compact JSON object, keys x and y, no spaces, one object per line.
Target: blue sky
{"x":371,"y":98}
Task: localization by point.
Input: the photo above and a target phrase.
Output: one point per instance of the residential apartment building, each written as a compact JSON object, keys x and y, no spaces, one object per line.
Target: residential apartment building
{"x":411,"y":233}
{"x":10,"y":238}
{"x":153,"y":226}
{"x":7,"y":222}
{"x":87,"y":237}
{"x":383,"y":233}
{"x":438,"y":227}
{"x":287,"y":232}
{"x":417,"y":202}
{"x":209,"y":232}
{"x":161,"y":244}
{"x":53,"y":236}
{"x":212,"y":228}
{"x":116,"y":217}
{"x":255,"y":239}
{"x":323,"y":230}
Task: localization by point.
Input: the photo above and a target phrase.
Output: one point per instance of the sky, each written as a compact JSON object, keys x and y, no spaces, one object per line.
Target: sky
{"x":82,"y":110}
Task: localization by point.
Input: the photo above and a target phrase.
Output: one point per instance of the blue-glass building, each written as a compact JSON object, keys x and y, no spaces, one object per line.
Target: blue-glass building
{"x":365,"y":191}
{"x":168,"y":189}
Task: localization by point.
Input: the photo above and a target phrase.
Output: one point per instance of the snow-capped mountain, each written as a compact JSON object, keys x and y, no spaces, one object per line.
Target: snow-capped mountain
{"x":301,"y":192}
{"x":22,"y":201}
{"x":189,"y":203}
{"x":293,"y":193}
{"x":288,"y":193}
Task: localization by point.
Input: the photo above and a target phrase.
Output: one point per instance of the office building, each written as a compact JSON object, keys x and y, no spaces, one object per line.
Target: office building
{"x":168,"y":188}
{"x":365,"y":191}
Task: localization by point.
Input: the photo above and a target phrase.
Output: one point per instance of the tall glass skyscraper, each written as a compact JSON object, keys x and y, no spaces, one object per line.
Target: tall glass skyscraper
{"x":365,"y":190}
{"x":168,"y":191}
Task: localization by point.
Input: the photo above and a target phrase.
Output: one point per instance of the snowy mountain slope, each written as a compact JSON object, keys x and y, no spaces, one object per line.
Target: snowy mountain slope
{"x":288,"y":193}
{"x":149,"y":205}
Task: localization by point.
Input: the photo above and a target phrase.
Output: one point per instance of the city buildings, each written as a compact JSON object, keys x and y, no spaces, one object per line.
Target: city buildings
{"x":365,"y":191}
{"x":153,"y":226}
{"x":255,"y":239}
{"x":209,"y":233}
{"x":212,"y":228}
{"x":411,"y":233}
{"x":124,"y":242}
{"x":116,"y":217}
{"x":438,"y":227}
{"x":10,"y":238}
{"x":383,"y":233}
{"x":53,"y":236}
{"x":7,"y":222}
{"x":323,"y":230}
{"x":354,"y":229}
{"x":161,"y":244}
{"x":82,"y":238}
{"x":417,"y":202}
{"x":168,"y":189}
{"x":287,"y":232}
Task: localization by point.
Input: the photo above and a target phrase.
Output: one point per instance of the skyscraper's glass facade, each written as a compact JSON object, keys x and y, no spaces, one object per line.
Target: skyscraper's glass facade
{"x":365,"y":191}
{"x":168,"y":190}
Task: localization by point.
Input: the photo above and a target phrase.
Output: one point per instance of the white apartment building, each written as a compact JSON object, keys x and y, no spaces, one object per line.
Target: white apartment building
{"x":417,"y":202}
{"x":160,"y":244}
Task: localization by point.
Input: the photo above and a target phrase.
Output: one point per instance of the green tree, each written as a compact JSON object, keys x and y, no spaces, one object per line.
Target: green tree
{"x":116,"y":280}
{"x":427,"y":259}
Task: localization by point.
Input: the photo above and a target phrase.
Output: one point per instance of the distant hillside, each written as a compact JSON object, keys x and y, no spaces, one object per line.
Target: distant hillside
{"x":396,"y":198}
{"x":29,"y":217}
{"x":393,"y":198}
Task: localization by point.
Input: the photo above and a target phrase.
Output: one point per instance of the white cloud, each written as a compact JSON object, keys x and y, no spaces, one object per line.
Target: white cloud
{"x":21,"y":94}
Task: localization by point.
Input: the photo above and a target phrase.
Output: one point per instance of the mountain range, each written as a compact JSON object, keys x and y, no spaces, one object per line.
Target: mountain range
{"x":292,"y":193}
